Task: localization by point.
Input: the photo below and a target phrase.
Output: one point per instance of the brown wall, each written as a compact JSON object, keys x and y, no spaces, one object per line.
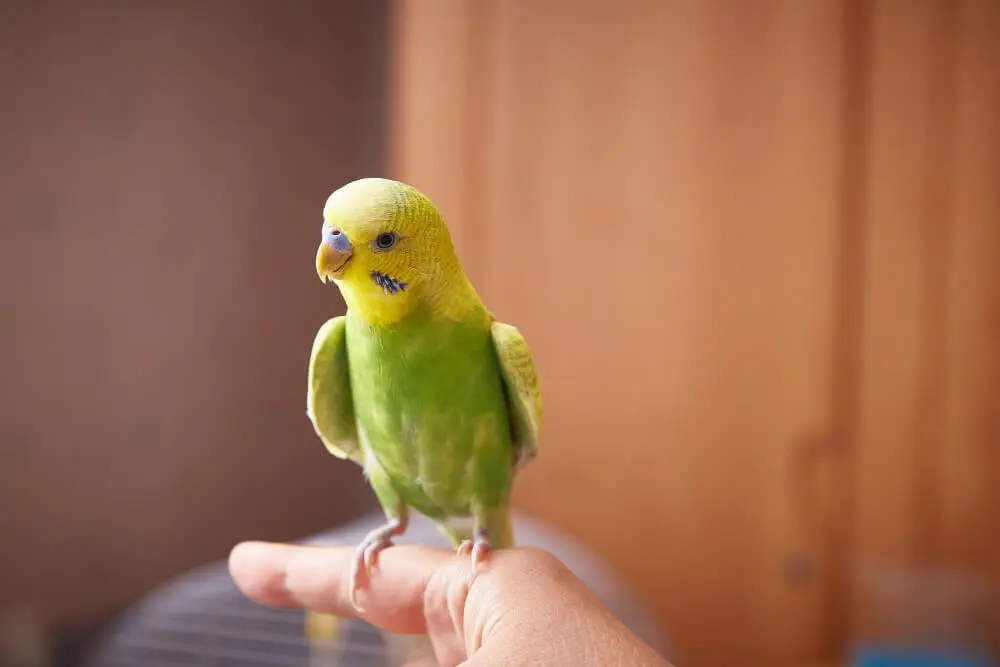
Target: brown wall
{"x":163,"y":170}
{"x":754,"y":248}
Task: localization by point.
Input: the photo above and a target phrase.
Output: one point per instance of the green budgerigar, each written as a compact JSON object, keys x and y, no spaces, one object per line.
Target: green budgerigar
{"x":419,"y":384}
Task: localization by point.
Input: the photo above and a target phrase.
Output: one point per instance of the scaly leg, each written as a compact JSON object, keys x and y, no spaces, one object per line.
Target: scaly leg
{"x":492,"y":531}
{"x":398,"y":518}
{"x":366,"y":555}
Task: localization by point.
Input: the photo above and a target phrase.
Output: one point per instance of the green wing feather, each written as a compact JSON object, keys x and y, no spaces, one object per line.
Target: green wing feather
{"x":330,"y":407}
{"x":328,"y":399}
{"x":524,"y":395}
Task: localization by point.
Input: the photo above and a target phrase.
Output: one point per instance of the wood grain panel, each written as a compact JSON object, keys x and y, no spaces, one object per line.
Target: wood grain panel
{"x":899,"y":269}
{"x":969,"y":511}
{"x":928,"y":454}
{"x":755,"y":251}
{"x":163,"y":168}
{"x":929,"y":463}
{"x":651,"y":194}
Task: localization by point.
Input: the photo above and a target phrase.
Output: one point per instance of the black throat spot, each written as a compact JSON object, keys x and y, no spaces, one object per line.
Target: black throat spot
{"x":388,"y":284}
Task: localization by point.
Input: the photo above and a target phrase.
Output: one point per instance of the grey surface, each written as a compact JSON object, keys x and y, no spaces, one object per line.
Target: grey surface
{"x":201,"y":618}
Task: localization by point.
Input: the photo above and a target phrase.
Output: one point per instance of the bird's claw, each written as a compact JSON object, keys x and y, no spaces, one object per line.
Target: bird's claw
{"x":366,"y":558}
{"x":371,"y":553}
{"x":478,"y":548}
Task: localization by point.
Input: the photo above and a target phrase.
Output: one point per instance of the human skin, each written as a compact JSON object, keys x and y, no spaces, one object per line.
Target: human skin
{"x":522,"y":606}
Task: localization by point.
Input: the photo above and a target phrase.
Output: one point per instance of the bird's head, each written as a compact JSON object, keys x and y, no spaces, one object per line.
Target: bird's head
{"x":384,"y":243}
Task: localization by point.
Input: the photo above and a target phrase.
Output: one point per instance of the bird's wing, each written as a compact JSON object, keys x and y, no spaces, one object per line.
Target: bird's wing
{"x":328,"y":397}
{"x":524,"y":396}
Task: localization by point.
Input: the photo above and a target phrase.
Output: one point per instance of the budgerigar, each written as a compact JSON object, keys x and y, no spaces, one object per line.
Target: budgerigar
{"x":419,"y":384}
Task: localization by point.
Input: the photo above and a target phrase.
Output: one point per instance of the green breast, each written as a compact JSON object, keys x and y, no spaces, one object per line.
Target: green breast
{"x":430,"y":408}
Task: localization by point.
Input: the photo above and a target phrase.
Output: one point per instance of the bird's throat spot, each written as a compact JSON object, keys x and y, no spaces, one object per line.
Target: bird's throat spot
{"x":388,"y":284}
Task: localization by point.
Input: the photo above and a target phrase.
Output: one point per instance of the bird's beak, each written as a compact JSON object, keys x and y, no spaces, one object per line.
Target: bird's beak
{"x":331,"y":262}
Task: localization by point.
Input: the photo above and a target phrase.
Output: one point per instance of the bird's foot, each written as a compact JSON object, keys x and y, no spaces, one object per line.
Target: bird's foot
{"x":478,"y":547}
{"x":366,"y":555}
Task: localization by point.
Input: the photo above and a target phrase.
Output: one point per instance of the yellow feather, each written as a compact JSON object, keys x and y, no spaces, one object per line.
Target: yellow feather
{"x":425,"y":262}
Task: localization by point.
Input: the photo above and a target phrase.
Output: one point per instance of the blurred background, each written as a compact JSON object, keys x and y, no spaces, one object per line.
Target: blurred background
{"x":755,"y":247}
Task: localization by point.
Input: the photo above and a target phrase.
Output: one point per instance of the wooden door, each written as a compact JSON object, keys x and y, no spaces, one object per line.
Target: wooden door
{"x":652,"y":193}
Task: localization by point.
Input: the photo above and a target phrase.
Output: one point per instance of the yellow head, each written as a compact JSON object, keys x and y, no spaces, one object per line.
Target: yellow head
{"x":388,"y":249}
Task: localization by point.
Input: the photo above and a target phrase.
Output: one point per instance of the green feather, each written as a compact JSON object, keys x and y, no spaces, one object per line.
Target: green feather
{"x":439,"y":412}
{"x":431,"y":413}
{"x":328,"y":396}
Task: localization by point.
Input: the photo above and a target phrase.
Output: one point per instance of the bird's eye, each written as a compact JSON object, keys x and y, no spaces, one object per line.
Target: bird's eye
{"x":385,"y":240}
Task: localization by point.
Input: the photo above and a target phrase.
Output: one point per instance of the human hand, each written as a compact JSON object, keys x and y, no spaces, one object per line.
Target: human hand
{"x":522,"y":607}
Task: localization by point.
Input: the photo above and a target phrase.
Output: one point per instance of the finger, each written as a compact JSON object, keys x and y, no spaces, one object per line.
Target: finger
{"x":318,"y":578}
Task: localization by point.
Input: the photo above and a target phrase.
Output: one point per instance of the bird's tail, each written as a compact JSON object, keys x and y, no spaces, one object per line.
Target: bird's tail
{"x":321,"y":629}
{"x":327,"y":637}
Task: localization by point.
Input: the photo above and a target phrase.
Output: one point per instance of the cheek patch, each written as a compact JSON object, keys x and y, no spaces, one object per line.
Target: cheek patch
{"x":388,"y":284}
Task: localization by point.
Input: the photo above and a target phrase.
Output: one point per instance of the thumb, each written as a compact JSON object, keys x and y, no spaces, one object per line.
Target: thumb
{"x":522,"y":606}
